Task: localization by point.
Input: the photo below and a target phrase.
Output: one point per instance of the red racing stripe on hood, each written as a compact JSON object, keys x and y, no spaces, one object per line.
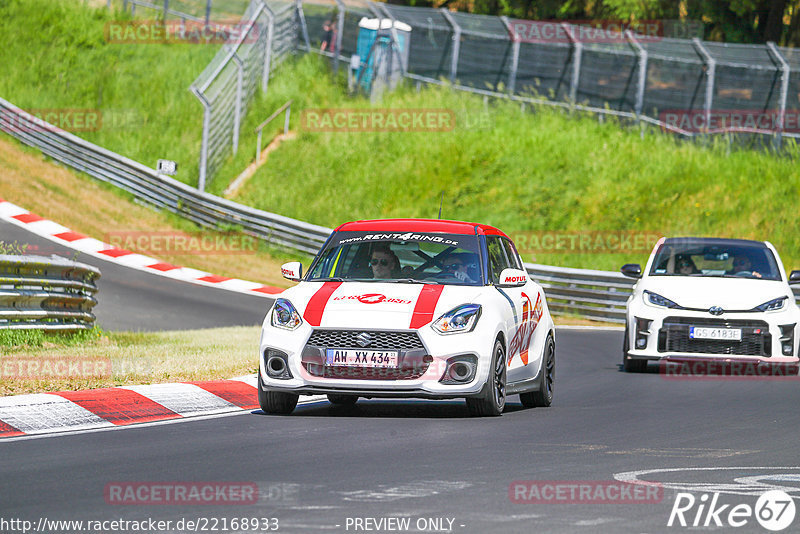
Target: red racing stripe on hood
{"x":317,"y":303}
{"x":426,"y":304}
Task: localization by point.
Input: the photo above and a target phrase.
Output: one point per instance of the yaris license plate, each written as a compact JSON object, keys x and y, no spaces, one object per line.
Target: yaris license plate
{"x":724,"y":334}
{"x":361,"y":358}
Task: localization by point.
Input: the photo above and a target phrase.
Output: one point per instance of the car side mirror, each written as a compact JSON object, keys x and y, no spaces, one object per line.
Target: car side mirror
{"x":794,"y":277}
{"x":632,"y":270}
{"x":513,"y":278}
{"x":292,"y":271}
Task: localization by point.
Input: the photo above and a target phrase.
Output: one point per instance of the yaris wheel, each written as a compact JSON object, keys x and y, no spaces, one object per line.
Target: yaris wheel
{"x":493,"y":400}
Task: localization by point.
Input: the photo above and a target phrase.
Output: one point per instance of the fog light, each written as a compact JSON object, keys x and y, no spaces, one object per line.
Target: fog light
{"x":642,"y":332}
{"x":787,"y":339}
{"x":460,"y":369}
{"x":276,"y":364}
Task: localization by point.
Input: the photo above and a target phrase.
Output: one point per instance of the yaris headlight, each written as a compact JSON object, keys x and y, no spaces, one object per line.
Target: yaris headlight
{"x":772,"y":305}
{"x":284,"y":315}
{"x":460,"y":319}
{"x":657,"y":300}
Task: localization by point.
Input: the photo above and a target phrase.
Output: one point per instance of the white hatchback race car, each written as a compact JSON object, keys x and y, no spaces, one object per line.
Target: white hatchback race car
{"x":712,"y":299}
{"x":409,"y":308}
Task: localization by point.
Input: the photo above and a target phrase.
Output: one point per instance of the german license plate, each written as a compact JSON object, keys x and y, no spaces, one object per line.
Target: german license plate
{"x":723,"y":334}
{"x":361,"y":358}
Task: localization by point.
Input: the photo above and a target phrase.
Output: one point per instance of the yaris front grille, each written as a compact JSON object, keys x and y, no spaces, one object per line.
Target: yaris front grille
{"x":674,"y":337}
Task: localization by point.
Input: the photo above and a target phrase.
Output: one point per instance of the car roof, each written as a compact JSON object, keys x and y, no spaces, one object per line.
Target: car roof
{"x":713,"y":241}
{"x":420,"y":225}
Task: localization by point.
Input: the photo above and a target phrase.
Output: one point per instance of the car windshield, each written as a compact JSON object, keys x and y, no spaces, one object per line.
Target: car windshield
{"x":432,"y":258}
{"x":715,"y":258}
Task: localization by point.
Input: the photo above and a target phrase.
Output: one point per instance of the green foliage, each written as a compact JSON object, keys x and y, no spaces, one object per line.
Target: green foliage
{"x":13,"y":248}
{"x":533,"y":171}
{"x":54,"y":56}
{"x":37,"y":338}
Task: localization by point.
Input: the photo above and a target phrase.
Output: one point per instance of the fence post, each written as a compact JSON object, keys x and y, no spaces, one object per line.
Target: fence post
{"x":512,"y":75}
{"x":208,"y":12}
{"x":711,"y":75}
{"x":303,"y":28}
{"x":201,"y":181}
{"x":341,"y":8}
{"x":456,"y":44}
{"x":382,"y":9}
{"x":641,"y":53}
{"x":166,"y":9}
{"x":785,"y":72}
{"x":268,"y":52}
{"x":577,"y":48}
{"x":237,"y":112}
{"x":286,"y":120}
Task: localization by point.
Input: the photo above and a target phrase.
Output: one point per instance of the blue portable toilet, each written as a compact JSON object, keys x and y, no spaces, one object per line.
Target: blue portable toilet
{"x":377,"y":57}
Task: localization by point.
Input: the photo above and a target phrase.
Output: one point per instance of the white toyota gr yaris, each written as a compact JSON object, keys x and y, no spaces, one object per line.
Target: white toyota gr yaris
{"x":409,"y":308}
{"x":712,"y":299}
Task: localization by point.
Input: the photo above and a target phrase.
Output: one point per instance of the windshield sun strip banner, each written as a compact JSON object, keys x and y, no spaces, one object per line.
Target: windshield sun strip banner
{"x":443,"y":239}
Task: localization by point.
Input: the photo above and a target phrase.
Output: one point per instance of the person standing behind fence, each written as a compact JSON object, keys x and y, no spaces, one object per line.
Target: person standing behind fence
{"x":328,"y":36}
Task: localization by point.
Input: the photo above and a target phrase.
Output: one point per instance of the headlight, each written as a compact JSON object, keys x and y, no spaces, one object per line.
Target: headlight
{"x":460,"y":319}
{"x":658,"y":300}
{"x":772,"y":305}
{"x":285,"y":316}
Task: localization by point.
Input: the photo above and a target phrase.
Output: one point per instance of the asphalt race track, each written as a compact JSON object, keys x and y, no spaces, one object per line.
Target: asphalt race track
{"x":322,"y":468}
{"x":130,"y":299}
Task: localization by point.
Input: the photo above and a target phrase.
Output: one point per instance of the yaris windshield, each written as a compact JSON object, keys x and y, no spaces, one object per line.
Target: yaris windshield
{"x":430,"y":258}
{"x":715,"y":258}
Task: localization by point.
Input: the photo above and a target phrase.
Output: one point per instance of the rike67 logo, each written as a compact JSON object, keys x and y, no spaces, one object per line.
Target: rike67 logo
{"x":774,"y":510}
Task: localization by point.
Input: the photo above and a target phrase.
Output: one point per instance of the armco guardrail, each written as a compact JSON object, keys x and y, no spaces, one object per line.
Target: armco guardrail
{"x":46,"y":293}
{"x":599,"y":295}
{"x":158,"y":190}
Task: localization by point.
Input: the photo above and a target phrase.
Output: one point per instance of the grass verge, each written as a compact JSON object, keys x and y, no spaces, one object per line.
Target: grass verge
{"x":36,"y":362}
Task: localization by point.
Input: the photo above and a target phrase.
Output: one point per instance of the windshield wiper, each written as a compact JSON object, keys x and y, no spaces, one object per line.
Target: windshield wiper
{"x":409,"y":281}
{"x":331,"y":279}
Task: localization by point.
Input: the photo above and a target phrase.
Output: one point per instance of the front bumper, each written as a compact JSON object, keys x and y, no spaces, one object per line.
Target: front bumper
{"x":422,"y":365}
{"x":765,"y":337}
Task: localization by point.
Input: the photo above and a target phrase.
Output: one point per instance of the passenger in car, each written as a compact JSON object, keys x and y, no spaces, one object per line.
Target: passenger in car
{"x":743,"y":266}
{"x":684,"y":265}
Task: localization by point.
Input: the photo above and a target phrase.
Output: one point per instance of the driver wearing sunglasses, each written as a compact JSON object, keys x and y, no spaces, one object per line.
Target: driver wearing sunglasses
{"x":384,"y":263}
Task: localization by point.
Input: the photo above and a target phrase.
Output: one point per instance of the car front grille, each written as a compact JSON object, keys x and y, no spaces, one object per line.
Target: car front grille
{"x":366,"y":373}
{"x":381,"y":339}
{"x":674,"y":337}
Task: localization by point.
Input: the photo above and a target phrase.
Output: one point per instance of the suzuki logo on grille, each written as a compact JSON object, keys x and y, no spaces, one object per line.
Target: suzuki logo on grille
{"x":364,"y":339}
{"x":716,"y":310}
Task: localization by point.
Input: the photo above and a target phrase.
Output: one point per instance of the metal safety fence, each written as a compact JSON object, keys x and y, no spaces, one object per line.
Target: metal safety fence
{"x":156,"y":189}
{"x":43,"y":293}
{"x":687,"y":86}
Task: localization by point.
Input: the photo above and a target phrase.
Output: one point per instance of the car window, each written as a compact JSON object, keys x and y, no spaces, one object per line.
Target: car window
{"x":497,"y":258}
{"x":511,"y":253}
{"x":715,"y":258}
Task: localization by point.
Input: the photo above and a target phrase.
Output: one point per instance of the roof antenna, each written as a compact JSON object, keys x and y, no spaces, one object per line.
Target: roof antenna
{"x":440,"y":204}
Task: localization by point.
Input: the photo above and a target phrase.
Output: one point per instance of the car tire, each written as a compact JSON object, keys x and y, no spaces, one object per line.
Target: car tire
{"x":342,"y":400}
{"x":493,"y":399}
{"x":543,"y":397}
{"x":275,"y":402}
{"x":631,"y":365}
